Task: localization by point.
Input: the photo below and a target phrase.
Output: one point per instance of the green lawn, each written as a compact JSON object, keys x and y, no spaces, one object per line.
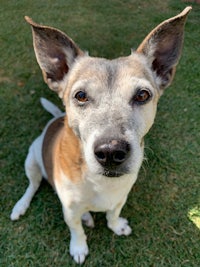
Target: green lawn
{"x":163,"y":207}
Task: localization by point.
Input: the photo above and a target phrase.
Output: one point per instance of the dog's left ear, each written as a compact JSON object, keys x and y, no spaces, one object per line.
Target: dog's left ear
{"x":55,"y":53}
{"x":162,"y":48}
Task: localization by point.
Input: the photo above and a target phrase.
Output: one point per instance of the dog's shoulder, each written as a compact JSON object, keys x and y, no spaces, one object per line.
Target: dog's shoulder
{"x":52,"y":132}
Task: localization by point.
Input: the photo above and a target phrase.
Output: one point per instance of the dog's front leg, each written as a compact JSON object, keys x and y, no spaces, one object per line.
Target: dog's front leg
{"x":78,"y":244}
{"x":118,"y":224}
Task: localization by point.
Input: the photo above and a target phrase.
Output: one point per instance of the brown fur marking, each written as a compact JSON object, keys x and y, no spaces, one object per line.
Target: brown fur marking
{"x":70,"y":156}
{"x":48,"y":147}
{"x":61,"y":151}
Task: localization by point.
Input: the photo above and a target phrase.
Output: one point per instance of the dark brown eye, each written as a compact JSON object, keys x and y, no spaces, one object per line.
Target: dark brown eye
{"x":142,"y":96}
{"x":81,"y":96}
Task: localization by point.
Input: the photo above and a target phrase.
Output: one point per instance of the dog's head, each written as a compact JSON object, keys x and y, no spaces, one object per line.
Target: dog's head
{"x":110,"y":104}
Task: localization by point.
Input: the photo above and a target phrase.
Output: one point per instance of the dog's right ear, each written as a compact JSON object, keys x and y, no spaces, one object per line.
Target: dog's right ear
{"x":162,"y":47}
{"x":55,"y":53}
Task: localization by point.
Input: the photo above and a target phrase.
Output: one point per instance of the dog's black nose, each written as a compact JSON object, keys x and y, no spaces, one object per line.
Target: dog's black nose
{"x":111,"y":153}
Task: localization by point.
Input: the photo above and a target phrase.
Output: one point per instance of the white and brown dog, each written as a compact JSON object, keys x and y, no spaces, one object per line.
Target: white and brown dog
{"x":92,"y":155}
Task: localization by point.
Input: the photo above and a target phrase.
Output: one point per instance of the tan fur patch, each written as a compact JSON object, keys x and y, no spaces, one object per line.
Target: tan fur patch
{"x":48,"y":147}
{"x":69,"y":156}
{"x":61,"y":151}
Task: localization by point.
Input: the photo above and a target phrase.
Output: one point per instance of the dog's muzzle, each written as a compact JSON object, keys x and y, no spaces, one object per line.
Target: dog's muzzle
{"x":112,"y":154}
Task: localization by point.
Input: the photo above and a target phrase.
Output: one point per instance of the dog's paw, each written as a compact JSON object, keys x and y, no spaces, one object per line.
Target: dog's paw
{"x":88,"y":220}
{"x":78,"y":252}
{"x":120,"y":227}
{"x":18,"y":210}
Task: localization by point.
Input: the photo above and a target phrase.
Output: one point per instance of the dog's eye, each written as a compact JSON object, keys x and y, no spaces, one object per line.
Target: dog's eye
{"x":81,"y":97}
{"x":142,"y":96}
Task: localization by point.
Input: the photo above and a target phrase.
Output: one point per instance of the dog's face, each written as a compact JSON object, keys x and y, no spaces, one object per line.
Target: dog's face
{"x":110,"y":104}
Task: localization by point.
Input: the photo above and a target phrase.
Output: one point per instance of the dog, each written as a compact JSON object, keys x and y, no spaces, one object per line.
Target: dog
{"x":91,"y":155}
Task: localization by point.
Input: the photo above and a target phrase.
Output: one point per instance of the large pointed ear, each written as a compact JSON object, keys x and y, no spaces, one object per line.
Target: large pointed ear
{"x":163,"y":46}
{"x":55,"y":53}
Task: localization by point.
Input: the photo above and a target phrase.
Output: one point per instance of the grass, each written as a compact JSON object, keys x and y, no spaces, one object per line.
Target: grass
{"x":163,"y":207}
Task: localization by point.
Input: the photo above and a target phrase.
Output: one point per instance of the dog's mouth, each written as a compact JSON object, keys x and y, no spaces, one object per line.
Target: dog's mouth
{"x":113,"y":173}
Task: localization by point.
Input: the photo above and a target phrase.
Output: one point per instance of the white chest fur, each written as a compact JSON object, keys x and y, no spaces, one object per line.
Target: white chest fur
{"x":97,"y":193}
